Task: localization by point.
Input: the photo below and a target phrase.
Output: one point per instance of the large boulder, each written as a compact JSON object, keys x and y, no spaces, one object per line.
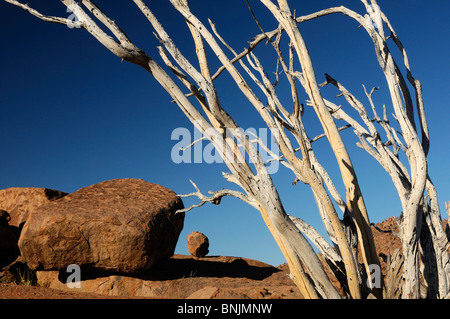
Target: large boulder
{"x":20,"y":202}
{"x":122,"y":225}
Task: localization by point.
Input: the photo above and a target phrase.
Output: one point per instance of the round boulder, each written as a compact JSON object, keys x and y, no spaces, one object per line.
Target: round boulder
{"x":8,"y":240}
{"x":121,"y":225}
{"x":197,"y":244}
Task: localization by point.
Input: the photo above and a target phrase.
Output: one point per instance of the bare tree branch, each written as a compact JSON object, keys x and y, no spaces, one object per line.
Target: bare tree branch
{"x":44,"y":17}
{"x":215,"y":198}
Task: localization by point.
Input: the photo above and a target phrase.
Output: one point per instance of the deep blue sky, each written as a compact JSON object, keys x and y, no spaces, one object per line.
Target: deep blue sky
{"x":73,"y":115}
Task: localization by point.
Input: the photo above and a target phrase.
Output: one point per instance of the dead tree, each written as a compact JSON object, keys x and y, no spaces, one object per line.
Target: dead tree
{"x":191,"y":85}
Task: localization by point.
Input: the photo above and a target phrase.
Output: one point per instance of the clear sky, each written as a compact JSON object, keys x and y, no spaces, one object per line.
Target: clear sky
{"x":73,"y":115}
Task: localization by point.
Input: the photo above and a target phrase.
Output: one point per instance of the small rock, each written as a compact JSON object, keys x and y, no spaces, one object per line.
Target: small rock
{"x":197,"y":244}
{"x":217,"y":279}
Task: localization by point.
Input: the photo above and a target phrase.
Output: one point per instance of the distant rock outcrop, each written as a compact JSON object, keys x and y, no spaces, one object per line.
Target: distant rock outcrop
{"x":121,"y":225}
{"x":197,"y":244}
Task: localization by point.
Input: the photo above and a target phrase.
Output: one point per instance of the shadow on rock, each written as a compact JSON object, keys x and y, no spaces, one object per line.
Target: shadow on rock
{"x":180,"y":267}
